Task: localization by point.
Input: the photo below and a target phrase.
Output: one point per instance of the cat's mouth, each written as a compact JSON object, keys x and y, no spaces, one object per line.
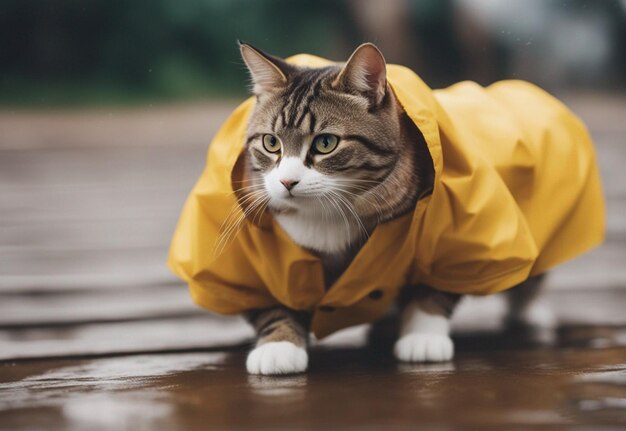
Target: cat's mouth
{"x":291,"y":203}
{"x":284,"y":203}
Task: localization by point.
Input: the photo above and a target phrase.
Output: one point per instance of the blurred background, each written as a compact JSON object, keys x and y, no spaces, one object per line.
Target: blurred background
{"x":107,"y":108}
{"x":73,"y":52}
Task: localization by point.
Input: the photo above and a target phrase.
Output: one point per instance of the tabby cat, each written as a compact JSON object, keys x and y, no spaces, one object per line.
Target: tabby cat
{"x":334,"y":155}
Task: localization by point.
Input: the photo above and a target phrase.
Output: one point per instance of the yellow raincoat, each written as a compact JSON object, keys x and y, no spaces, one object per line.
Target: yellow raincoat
{"x":516,"y":192}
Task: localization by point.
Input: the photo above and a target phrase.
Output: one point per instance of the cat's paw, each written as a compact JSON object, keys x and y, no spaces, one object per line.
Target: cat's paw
{"x":422,"y":347}
{"x":279,"y":357}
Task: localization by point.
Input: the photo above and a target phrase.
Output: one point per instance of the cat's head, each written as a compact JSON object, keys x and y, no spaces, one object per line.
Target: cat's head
{"x":320,"y":139}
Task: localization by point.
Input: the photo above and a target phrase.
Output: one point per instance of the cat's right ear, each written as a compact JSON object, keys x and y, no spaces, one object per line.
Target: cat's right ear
{"x":365,"y":72}
{"x":268,"y":73}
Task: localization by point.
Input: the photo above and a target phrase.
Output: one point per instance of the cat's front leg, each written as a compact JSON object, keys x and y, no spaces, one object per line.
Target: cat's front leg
{"x":425,"y":327}
{"x":282,"y":338}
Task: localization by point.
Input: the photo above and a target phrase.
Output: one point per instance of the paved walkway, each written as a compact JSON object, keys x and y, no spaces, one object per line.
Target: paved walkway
{"x":96,"y":334}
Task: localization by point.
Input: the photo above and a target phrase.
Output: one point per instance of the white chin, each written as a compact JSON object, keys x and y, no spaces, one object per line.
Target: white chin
{"x":281,"y":204}
{"x":293,"y":202}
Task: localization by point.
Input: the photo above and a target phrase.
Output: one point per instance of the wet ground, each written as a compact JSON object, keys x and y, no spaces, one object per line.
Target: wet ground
{"x":95,"y":334}
{"x":500,"y":381}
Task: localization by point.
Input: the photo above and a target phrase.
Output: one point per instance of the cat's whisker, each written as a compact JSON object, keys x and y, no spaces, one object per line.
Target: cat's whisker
{"x":253,"y":187}
{"x":367,"y":190}
{"x":234,"y":219}
{"x":325,"y":209}
{"x":234,"y":211}
{"x":233,"y":229}
{"x":378,"y":196}
{"x":356,"y":216}
{"x":224,"y":237}
{"x":378,"y":192}
{"x":328,"y":213}
{"x":357,"y":196}
{"x":245,"y":180}
{"x":340,"y":212}
{"x":261,"y":210}
{"x":343,"y":201}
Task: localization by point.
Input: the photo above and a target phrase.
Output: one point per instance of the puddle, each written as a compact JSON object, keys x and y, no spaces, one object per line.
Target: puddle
{"x":293,"y":388}
{"x":602,"y":404}
{"x":443,"y":368}
{"x":111,"y":374}
{"x":602,"y":393}
{"x":598,"y":337}
{"x":613,"y":376}
{"x":114,"y":412}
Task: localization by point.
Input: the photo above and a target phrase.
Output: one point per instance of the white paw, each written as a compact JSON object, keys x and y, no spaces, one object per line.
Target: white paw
{"x":422,"y":347}
{"x":280,"y":357}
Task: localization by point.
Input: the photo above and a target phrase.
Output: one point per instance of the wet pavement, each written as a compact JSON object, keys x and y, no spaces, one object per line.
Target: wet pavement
{"x":96,"y":334}
{"x":500,"y":380}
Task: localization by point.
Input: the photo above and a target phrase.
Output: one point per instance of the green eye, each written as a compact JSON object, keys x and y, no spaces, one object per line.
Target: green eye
{"x":325,"y":143}
{"x":271,"y":143}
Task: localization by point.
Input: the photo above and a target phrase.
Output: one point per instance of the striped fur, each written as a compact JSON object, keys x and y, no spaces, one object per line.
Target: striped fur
{"x":429,"y":300}
{"x":279,"y":324}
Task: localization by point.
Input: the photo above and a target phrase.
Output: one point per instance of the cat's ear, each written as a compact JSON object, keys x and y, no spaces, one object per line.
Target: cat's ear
{"x":364,"y":72}
{"x":268,"y":73}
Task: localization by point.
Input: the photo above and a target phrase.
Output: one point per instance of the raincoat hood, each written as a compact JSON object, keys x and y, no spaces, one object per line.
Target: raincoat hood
{"x":516,"y":192}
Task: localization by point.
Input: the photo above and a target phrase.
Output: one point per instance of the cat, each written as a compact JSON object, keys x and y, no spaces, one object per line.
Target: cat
{"x":336,"y":155}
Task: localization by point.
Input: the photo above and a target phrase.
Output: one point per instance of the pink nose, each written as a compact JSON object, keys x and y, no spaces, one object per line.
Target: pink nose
{"x":289,"y":184}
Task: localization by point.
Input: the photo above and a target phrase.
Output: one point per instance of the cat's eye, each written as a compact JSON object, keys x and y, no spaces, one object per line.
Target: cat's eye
{"x":271,"y":143}
{"x":325,"y":143}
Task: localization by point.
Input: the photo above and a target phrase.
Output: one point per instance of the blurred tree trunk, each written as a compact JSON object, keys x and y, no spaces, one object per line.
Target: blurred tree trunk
{"x":388,"y":25}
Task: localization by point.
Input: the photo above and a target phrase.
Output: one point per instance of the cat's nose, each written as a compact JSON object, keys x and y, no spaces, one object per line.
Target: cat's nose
{"x":289,"y":184}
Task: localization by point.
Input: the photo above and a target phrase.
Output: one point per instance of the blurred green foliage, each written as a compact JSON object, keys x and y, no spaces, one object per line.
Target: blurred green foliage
{"x":124,"y":51}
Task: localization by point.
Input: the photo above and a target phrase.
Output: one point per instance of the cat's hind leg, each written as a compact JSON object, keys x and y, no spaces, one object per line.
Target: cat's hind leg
{"x":527,"y":308}
{"x":281,"y":343}
{"x":425,"y":327}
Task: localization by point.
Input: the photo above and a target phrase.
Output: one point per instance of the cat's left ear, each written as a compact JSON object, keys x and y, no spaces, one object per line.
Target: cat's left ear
{"x":268,"y":73}
{"x":365,"y":72}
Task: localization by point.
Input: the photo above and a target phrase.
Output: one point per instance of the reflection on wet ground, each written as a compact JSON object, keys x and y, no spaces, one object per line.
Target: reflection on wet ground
{"x":500,"y":379}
